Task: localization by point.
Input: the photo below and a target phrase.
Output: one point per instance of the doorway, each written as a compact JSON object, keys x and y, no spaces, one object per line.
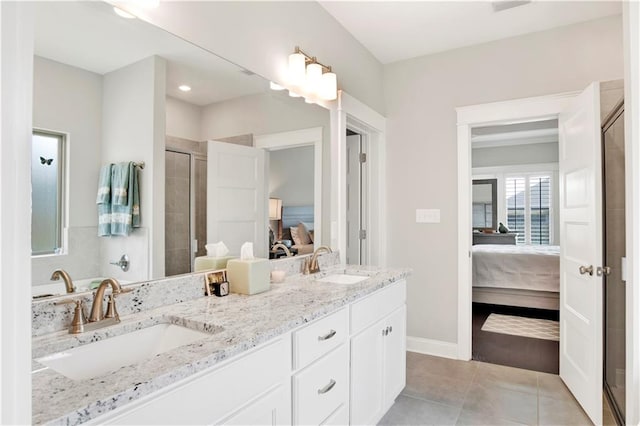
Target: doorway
{"x":516,"y":245}
{"x":356,"y":190}
{"x":581,"y":313}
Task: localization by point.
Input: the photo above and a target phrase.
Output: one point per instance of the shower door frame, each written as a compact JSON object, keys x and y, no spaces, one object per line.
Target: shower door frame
{"x":607,"y":123}
{"x":193,"y":157}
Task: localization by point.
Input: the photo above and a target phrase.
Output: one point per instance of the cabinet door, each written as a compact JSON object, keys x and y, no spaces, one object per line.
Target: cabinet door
{"x":267,"y":410}
{"x":395,"y":356}
{"x":367,"y":375}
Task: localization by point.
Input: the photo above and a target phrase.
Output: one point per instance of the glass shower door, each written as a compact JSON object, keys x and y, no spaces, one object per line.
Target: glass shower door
{"x":614,"y":286}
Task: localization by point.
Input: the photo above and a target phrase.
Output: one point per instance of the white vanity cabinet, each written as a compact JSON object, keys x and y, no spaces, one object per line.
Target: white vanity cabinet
{"x":344,"y":368}
{"x":252,"y":389}
{"x":378,"y":353}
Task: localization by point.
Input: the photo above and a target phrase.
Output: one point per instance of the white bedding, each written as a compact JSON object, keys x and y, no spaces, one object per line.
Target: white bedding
{"x":517,"y":267}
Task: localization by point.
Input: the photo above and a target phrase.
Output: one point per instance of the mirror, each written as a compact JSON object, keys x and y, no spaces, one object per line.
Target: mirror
{"x":485,"y":204}
{"x":112,"y":86}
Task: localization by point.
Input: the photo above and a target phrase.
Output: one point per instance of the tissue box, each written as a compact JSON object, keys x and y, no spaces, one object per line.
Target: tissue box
{"x":205,"y":263}
{"x":248,"y":276}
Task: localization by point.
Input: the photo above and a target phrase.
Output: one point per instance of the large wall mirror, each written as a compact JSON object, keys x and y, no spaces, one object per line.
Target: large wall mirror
{"x":485,"y":204}
{"x":121,"y":90}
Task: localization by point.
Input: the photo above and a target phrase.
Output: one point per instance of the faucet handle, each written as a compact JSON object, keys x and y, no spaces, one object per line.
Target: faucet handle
{"x":79,"y":318}
{"x":306,"y":270}
{"x":111,"y":308}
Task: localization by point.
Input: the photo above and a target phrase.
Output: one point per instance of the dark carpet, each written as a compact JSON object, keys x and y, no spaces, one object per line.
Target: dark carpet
{"x":514,"y":351}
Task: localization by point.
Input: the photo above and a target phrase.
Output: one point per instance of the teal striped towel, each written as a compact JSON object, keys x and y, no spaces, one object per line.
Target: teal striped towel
{"x":104,"y":201}
{"x":120,"y":183}
{"x":125,"y":217}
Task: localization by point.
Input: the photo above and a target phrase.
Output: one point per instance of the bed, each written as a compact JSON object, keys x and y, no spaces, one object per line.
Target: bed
{"x":292,"y":217}
{"x":517,"y":275}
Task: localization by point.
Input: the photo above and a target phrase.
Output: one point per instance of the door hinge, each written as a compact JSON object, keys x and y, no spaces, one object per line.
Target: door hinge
{"x":363,"y":234}
{"x":363,"y":157}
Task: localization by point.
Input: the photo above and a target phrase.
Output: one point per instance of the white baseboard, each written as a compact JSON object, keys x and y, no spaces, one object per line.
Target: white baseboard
{"x":432,"y":347}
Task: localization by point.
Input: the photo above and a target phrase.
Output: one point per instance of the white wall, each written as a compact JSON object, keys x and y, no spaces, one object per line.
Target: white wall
{"x":421,"y":96}
{"x":183,"y":119}
{"x":538,"y":153}
{"x":134,"y":130}
{"x":272,"y":113}
{"x":69,"y":100}
{"x":260,"y":36}
{"x":291,"y":175}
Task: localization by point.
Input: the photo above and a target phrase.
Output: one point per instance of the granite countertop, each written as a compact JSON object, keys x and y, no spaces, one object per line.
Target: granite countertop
{"x":236,"y":322}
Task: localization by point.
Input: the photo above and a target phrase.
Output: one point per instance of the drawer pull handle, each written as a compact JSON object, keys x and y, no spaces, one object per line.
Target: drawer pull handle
{"x":327,"y":388}
{"x":327,"y":336}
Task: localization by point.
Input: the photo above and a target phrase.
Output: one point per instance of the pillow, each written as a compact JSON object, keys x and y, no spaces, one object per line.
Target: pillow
{"x":308,"y":225}
{"x":303,"y":233}
{"x":300,"y":235}
{"x":294,"y":235}
{"x":311,"y":235}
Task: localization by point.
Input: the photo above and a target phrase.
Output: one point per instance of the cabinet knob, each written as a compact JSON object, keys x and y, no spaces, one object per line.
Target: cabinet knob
{"x":327,"y":388}
{"x":327,"y":336}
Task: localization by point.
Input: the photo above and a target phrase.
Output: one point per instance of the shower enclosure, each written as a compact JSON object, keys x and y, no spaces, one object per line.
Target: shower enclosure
{"x":613,"y":162}
{"x":185,"y":204}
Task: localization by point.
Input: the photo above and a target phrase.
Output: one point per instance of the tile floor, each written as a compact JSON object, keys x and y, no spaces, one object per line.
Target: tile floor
{"x":442,"y":391}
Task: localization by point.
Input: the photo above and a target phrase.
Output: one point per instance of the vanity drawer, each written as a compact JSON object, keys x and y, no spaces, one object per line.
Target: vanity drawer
{"x":377,"y":305}
{"x":321,"y":388}
{"x":319,"y":337}
{"x":340,"y":417}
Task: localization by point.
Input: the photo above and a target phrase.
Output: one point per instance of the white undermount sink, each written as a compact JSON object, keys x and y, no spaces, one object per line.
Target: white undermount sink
{"x":342,"y":279}
{"x":97,"y":358}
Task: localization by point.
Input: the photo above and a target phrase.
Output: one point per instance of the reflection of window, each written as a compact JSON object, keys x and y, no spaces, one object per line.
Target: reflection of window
{"x":46,"y":192}
{"x":528,"y":200}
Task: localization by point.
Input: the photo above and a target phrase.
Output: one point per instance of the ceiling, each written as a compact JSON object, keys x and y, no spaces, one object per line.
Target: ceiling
{"x":89,"y":35}
{"x":524,"y":133}
{"x":397,"y":30}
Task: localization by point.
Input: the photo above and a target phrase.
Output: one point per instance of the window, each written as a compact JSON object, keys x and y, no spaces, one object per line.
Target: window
{"x":47,"y":171}
{"x":528,"y":202}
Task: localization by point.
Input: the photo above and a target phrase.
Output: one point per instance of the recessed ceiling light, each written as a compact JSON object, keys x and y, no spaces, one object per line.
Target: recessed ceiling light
{"x":275,"y":86}
{"x":122,"y":13}
{"x":185,"y":88}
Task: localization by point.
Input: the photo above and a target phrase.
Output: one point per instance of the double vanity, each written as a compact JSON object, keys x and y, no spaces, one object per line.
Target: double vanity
{"x":325,"y":348}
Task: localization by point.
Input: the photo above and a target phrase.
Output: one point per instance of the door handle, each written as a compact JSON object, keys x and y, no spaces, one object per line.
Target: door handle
{"x":603,"y":270}
{"x":586,"y":270}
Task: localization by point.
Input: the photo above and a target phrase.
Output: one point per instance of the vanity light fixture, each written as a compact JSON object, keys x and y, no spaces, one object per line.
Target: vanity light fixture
{"x":310,"y":78}
{"x":122,"y":13}
{"x":184,"y":88}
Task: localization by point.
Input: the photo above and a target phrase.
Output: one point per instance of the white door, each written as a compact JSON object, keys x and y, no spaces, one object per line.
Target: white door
{"x":581,"y":251}
{"x":355,"y":202}
{"x":236,"y":197}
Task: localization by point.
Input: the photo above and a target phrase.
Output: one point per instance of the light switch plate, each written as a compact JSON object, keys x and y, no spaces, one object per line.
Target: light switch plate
{"x":427,"y":215}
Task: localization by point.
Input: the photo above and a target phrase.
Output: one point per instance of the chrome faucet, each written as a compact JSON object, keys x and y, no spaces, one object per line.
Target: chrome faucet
{"x":97,"y":312}
{"x":61,"y":273}
{"x":282,"y":246}
{"x":311,"y":265}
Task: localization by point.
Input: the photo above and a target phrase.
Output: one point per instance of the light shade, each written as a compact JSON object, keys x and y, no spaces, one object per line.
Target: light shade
{"x":314,"y":79}
{"x":329,"y":86}
{"x":297,"y":72}
{"x":275,"y":209}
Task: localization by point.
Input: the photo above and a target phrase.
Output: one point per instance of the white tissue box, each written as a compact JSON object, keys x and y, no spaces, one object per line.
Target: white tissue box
{"x":205,"y":263}
{"x":248,"y":276}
